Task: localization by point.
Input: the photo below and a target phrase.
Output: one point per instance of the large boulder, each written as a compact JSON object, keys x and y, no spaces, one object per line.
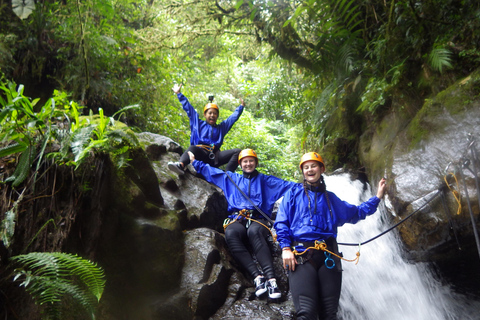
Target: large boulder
{"x":175,"y":262}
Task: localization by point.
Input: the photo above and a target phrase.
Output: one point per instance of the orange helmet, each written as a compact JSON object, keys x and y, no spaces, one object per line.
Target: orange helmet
{"x":311,"y":156}
{"x":247,"y":153}
{"x":210,"y":106}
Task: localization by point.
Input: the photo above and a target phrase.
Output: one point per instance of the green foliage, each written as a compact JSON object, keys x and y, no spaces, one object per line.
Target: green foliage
{"x":349,"y":53}
{"x":440,"y":58}
{"x":8,"y":227}
{"x":271,"y":141}
{"x":58,"y":122}
{"x":57,"y":133}
{"x":51,"y":276}
{"x":377,"y":90}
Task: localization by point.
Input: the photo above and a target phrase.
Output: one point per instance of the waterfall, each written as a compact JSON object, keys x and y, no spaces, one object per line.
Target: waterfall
{"x":383,"y":285}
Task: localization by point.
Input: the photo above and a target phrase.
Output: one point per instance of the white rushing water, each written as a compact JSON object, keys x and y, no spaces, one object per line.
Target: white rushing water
{"x":383,"y":285}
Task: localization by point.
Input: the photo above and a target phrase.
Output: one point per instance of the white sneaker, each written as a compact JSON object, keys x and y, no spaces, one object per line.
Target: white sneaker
{"x":273,"y":290}
{"x":260,"y":286}
{"x":176,"y":167}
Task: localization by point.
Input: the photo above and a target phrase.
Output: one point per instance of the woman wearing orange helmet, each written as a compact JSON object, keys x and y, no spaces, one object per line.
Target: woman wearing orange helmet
{"x":206,"y":137}
{"x":255,"y":193}
{"x":309,"y":215}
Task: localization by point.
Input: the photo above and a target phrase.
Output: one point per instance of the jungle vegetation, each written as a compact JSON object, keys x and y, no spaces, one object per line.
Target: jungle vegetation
{"x":315,"y":74}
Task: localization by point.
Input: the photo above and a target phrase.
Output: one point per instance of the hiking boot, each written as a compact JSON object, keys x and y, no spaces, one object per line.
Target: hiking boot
{"x":273,"y":291}
{"x":260,"y":286}
{"x":176,"y":167}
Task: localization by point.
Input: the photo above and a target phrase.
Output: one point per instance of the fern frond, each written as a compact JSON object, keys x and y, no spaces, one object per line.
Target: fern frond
{"x":12,"y":149}
{"x":80,"y":139}
{"x":49,"y":276}
{"x":440,"y":58}
{"x":125,"y":135}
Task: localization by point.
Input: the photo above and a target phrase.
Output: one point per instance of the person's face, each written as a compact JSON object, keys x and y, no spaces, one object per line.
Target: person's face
{"x":248,"y":164}
{"x":211,"y":116}
{"x":312,"y":170}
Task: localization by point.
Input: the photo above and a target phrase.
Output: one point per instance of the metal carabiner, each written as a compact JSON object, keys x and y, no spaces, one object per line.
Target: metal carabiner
{"x":329,"y":262}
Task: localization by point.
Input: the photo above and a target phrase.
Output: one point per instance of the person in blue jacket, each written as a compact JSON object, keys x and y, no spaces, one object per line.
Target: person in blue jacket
{"x":310,"y":215}
{"x":241,"y":233}
{"x":206,"y":137}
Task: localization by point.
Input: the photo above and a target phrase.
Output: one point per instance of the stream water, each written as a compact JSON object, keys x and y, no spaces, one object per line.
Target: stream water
{"x":383,"y":285}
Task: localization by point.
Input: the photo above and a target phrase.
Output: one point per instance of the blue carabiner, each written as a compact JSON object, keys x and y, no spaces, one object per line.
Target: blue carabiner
{"x":329,"y":262}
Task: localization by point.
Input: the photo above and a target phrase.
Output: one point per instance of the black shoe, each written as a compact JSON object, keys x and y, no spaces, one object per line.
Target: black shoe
{"x":260,"y":286}
{"x":273,"y":291}
{"x":176,"y":167}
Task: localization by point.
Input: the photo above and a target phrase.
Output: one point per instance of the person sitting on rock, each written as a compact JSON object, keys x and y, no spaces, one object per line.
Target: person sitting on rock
{"x":307,"y":220}
{"x":206,"y":137}
{"x":247,"y":194}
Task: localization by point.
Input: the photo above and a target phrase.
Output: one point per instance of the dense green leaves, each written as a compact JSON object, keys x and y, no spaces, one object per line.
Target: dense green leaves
{"x":51,"y":276}
{"x":337,"y":55}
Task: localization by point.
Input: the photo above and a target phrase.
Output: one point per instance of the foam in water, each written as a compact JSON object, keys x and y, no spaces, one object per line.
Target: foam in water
{"x":383,"y":285}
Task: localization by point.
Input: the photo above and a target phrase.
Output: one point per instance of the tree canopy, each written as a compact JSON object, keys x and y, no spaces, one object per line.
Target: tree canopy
{"x":325,"y":69}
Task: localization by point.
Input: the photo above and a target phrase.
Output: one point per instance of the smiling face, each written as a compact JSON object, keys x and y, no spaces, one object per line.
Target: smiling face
{"x":211,"y":116}
{"x":312,"y":170}
{"x":248,"y":164}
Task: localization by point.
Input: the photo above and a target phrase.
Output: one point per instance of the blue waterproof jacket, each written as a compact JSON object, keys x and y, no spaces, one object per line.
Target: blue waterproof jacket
{"x":262,"y":189}
{"x":297,"y":222}
{"x":204,"y":133}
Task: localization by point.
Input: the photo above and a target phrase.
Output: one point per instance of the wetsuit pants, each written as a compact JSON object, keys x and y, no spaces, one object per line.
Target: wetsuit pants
{"x":239,"y":239}
{"x":315,"y":289}
{"x":229,"y":157}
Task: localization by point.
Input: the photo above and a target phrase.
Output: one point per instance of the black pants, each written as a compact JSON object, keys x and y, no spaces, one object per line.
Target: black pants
{"x":315,"y":288}
{"x":239,"y":239}
{"x":229,"y":157}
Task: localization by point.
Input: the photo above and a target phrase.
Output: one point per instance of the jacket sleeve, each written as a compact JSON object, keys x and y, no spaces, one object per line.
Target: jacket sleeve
{"x":189,"y":109}
{"x":349,"y":213}
{"x":213,"y":175}
{"x":282,"y":222}
{"x":279,"y":186}
{"x":230,"y":121}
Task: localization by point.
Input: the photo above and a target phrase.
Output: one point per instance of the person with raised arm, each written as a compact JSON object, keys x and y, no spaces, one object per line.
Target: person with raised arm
{"x":251,"y":197}
{"x":306,"y":225}
{"x":206,"y":136}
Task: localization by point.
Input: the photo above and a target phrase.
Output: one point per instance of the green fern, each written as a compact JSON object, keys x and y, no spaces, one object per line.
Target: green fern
{"x":12,"y":149}
{"x":51,"y":277}
{"x":440,"y":58}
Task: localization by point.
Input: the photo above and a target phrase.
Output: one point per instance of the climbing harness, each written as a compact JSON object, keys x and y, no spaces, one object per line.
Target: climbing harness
{"x":209,"y":149}
{"x":272,"y":230}
{"x":247,"y":214}
{"x":322,"y":245}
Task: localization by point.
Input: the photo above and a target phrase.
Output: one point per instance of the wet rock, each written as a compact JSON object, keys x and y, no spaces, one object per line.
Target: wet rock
{"x":418,"y":155}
